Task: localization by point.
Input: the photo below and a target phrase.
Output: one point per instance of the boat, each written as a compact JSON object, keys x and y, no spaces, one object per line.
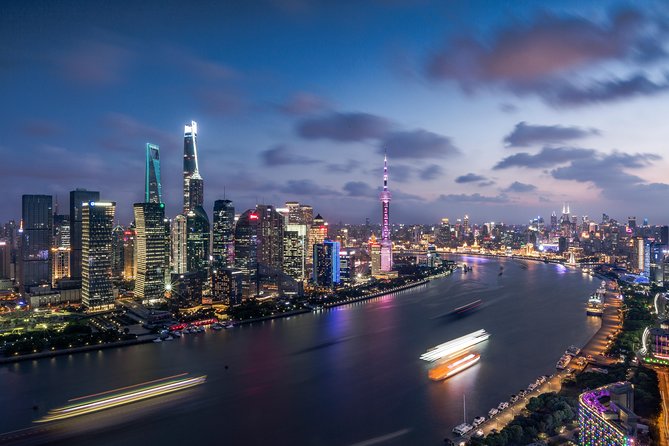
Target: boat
{"x":453,"y":366}
{"x":157,"y":340}
{"x":216,"y":326}
{"x":563,"y":362}
{"x":455,"y":346}
{"x":229,"y":325}
{"x":594,"y":307}
{"x":123,"y":396}
{"x":168,"y":338}
{"x":462,"y":429}
{"x":465,"y":308}
{"x":176,"y":334}
{"x":572,"y":351}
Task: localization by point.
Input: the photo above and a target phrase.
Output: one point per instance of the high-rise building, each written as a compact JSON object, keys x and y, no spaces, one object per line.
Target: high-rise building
{"x":226,"y":285}
{"x":318,"y":232}
{"x":96,"y":285}
{"x":270,"y":237}
{"x":375,"y":255}
{"x":246,"y":250}
{"x":129,"y":269}
{"x":347,"y":265}
{"x":223,"y":234}
{"x":37,"y":218}
{"x":606,"y":416}
{"x":307,"y":217}
{"x":118,"y":251}
{"x":60,"y":249}
{"x":5,"y":259}
{"x":150,"y":249}
{"x":326,"y":264}
{"x":77,"y":197}
{"x":197,"y":240}
{"x":152,"y":186}
{"x":386,"y":243}
{"x":294,"y":258}
{"x":294,"y":213}
{"x":193,"y":183}
{"x":179,"y":264}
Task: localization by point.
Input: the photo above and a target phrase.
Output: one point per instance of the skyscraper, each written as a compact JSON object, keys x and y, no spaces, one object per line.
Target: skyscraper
{"x":223,"y":233}
{"x":152,"y":187}
{"x":60,"y":249}
{"x":386,"y":243}
{"x":197,"y":240}
{"x":326,"y":264}
{"x":246,"y":250}
{"x":150,"y":249}
{"x":179,"y":263}
{"x":294,"y":253}
{"x":77,"y":197}
{"x":37,"y":217}
{"x":193,"y":183}
{"x":96,"y":285}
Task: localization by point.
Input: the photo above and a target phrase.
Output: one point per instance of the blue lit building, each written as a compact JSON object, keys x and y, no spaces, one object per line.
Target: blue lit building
{"x":326,"y":264}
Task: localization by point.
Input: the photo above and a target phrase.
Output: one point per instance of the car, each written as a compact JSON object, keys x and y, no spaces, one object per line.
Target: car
{"x":513,"y":398}
{"x":492,"y":412}
{"x":478,"y":420}
{"x":503,"y":405}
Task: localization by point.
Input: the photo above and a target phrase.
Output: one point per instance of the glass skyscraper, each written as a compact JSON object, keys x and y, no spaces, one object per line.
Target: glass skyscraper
{"x":150,"y":248}
{"x":96,"y":285}
{"x":193,"y":183}
{"x":77,"y":197}
{"x":223,"y":232}
{"x":152,"y":187}
{"x":37,"y":217}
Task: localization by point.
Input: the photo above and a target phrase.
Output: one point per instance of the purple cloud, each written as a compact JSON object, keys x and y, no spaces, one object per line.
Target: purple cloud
{"x":547,"y":157}
{"x":470,"y":178}
{"x":280,"y":155}
{"x":303,"y":103}
{"x":524,"y":134}
{"x":519,"y":187}
{"x":95,"y":63}
{"x":473,"y":198}
{"x":344,"y":127}
{"x":417,"y":144}
{"x":359,"y":189}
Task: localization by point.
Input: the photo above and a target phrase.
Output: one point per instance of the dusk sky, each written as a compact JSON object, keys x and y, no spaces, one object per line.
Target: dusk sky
{"x":501,"y":110}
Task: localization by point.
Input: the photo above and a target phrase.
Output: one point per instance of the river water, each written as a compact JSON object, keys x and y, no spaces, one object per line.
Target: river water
{"x":344,"y":376}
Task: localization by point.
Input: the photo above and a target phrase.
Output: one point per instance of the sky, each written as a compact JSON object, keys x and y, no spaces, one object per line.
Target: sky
{"x":502,"y":110}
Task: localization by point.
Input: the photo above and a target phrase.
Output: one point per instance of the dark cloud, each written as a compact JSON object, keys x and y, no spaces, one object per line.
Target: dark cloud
{"x":431,"y":172}
{"x":417,"y":144}
{"x":95,"y":63}
{"x":473,"y":198}
{"x":524,"y":134}
{"x":399,"y":172}
{"x":486,"y":183}
{"x":517,"y":186}
{"x":303,"y":103}
{"x":536,"y":57}
{"x":306,"y":187}
{"x":547,"y":157}
{"x":280,"y":155}
{"x":347,"y":167}
{"x":359,"y":189}
{"x":470,"y":178}
{"x":562,"y":94}
{"x":344,"y":127}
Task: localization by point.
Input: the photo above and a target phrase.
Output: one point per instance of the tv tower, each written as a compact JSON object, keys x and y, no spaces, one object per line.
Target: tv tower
{"x":386,"y":243}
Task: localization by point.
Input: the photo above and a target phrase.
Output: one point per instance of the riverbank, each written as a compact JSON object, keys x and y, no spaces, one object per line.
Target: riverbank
{"x":380,"y":293}
{"x":69,"y":351}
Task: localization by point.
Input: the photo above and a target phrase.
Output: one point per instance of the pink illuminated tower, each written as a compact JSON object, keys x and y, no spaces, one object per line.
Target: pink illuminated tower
{"x":386,"y":243}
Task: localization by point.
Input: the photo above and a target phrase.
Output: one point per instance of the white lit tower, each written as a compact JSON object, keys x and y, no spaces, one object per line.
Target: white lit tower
{"x":386,"y":243}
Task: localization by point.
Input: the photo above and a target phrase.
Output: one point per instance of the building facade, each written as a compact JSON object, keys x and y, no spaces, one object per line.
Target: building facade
{"x":326,"y":264}
{"x":96,"y":285}
{"x":36,"y":239}
{"x":77,"y":198}
{"x":223,"y":235}
{"x":150,"y":251}
{"x":606,"y":416}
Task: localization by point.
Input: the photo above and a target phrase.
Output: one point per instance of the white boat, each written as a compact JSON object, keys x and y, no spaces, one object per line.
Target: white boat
{"x":157,"y":340}
{"x":169,"y":338}
{"x":229,"y":325}
{"x":176,"y":334}
{"x":455,"y":346}
{"x":462,"y":429}
{"x":563,"y":362}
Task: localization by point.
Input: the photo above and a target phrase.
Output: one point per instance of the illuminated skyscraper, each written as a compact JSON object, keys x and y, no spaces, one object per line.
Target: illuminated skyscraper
{"x":77,"y":197}
{"x":386,"y":243}
{"x":223,"y":235}
{"x":318,"y":232}
{"x":150,"y":249}
{"x":96,"y":284}
{"x":326,"y":264}
{"x":193,"y":183}
{"x":179,"y":264}
{"x":606,"y":416}
{"x":294,"y":253}
{"x":37,"y":216}
{"x":152,"y":187}
{"x":197,"y":240}
{"x":60,"y":249}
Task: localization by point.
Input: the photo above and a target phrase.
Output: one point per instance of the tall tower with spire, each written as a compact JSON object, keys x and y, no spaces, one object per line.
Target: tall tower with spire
{"x":386,"y":243}
{"x":193,"y":183}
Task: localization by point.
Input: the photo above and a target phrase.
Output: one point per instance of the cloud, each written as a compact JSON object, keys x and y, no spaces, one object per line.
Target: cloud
{"x":225,"y":102}
{"x":524,"y":134}
{"x":470,"y":178}
{"x":520,"y":187}
{"x":508,"y":107}
{"x":347,"y":167}
{"x":399,"y":172}
{"x":359,"y":189}
{"x":473,"y":198}
{"x":417,"y":144}
{"x":306,"y":187}
{"x":95,"y":63}
{"x":344,"y":127}
{"x":127,"y":134}
{"x":303,"y":103}
{"x":431,"y":172}
{"x":280,"y":155}
{"x":41,"y":128}
{"x":547,"y":157}
{"x":537,"y":56}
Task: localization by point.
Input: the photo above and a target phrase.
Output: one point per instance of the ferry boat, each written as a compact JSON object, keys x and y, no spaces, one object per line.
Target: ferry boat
{"x":453,"y":366}
{"x":123,"y":396}
{"x":465,"y":308}
{"x":594,"y":307}
{"x":462,"y":429}
{"x":455,"y":346}
{"x":563,"y":362}
{"x":572,"y":351}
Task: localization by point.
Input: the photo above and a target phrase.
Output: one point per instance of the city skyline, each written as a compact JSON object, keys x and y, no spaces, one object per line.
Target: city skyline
{"x":470,"y":125}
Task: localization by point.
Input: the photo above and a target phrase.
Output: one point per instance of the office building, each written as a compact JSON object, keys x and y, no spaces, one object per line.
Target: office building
{"x":118,"y":250}
{"x":347,"y":266}
{"x":318,"y":233}
{"x":152,"y":186}
{"x":96,"y":286}
{"x":129,"y":269}
{"x":294,"y":251}
{"x":375,"y":255}
{"x":77,"y":197}
{"x":227,"y":285}
{"x":606,"y":416}
{"x":223,"y":235}
{"x":5,"y":259}
{"x":60,"y":249}
{"x":326,"y":264}
{"x":150,"y":251}
{"x":36,"y":239}
{"x":178,"y":245}
{"x":246,"y":250}
{"x":197,"y":240}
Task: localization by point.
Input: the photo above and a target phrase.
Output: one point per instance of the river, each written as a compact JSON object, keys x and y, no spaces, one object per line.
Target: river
{"x":343,"y":376}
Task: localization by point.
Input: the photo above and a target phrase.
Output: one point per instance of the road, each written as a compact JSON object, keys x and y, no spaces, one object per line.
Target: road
{"x":663,"y":376}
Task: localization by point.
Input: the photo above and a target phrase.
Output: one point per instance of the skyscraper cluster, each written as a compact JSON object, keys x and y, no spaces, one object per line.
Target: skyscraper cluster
{"x":185,"y":260}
